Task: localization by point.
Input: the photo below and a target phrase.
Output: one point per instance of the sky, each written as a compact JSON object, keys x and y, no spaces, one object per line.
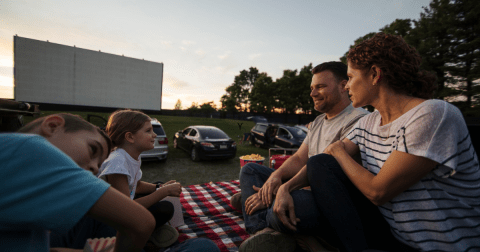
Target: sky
{"x":203,"y":44}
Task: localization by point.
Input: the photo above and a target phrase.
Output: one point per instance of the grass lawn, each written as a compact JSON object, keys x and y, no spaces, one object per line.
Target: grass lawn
{"x":178,"y":165}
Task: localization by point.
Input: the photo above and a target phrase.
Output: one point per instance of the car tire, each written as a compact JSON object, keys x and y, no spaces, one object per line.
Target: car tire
{"x":194,"y":155}
{"x":175,"y":145}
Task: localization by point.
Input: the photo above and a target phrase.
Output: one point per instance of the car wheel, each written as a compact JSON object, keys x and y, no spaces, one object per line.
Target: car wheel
{"x":175,"y":143}
{"x":195,"y":157}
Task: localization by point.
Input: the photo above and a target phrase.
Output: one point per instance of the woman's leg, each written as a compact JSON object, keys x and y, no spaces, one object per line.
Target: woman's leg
{"x":355,"y":220}
{"x":162,"y":211}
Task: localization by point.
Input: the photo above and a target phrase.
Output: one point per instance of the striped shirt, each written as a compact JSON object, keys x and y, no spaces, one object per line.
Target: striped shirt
{"x":441,"y":212}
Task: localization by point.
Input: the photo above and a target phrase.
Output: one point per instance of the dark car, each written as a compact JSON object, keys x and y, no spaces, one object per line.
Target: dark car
{"x":258,"y":119}
{"x":205,"y":142}
{"x":272,"y":135}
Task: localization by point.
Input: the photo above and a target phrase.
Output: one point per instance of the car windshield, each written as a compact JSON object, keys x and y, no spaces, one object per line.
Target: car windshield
{"x":212,"y":133}
{"x":158,"y":130}
{"x":297,"y":132}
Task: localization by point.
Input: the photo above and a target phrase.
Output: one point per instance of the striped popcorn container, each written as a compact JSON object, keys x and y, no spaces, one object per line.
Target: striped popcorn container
{"x":100,"y":245}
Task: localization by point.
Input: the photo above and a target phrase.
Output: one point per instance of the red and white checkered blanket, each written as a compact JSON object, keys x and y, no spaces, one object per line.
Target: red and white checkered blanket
{"x":207,"y":213}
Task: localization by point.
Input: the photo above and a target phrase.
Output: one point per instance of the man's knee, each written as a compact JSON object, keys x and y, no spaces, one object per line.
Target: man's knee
{"x":251,"y":169}
{"x":318,"y":164}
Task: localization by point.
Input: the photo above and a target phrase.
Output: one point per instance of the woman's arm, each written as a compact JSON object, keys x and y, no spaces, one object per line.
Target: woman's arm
{"x":400,"y":171}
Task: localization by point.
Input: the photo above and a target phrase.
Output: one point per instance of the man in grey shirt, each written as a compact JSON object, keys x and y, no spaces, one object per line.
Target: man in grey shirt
{"x":259,"y":184}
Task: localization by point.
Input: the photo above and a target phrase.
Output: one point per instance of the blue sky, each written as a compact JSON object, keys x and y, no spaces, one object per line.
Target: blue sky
{"x":203,"y":44}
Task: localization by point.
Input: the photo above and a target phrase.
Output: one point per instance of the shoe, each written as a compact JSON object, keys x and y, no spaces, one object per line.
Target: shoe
{"x":311,"y":243}
{"x":236,"y":201}
{"x":268,"y":240}
{"x":164,"y":236}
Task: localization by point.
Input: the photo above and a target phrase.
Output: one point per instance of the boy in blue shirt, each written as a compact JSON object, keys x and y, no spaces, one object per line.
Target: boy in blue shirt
{"x":45,"y":188}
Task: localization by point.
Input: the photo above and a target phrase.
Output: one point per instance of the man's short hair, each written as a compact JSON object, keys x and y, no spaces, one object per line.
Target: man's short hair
{"x":73,"y":123}
{"x":338,"y":69}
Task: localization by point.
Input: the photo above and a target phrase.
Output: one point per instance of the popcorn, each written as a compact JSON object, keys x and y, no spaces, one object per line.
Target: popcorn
{"x":252,"y":157}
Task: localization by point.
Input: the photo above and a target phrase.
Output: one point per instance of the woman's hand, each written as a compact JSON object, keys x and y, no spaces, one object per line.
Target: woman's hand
{"x":335,"y":148}
{"x":173,"y":189}
{"x":254,"y":203}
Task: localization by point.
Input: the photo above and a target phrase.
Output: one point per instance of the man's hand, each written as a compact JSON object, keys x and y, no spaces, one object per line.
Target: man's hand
{"x":254,"y":203}
{"x":269,"y":189}
{"x":284,"y":204}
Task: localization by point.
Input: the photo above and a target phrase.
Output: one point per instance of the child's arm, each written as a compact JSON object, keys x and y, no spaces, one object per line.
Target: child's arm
{"x":171,"y":189}
{"x":133,"y":222}
{"x":147,"y":188}
{"x":119,"y":182}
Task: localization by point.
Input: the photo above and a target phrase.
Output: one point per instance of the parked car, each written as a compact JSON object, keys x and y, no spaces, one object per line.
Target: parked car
{"x":205,"y":142}
{"x":160,"y":150}
{"x":269,"y":135}
{"x":258,"y":119}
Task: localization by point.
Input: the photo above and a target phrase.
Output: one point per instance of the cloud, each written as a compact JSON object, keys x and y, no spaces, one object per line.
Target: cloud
{"x":224,"y":56}
{"x":183,"y":48}
{"x":200,"y":52}
{"x":166,"y":43}
{"x":254,"y":56}
{"x":188,"y":42}
{"x":174,"y":82}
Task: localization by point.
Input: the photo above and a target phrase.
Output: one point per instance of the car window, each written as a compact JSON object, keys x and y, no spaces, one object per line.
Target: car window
{"x":185,"y":131}
{"x":212,"y":133}
{"x":282,"y":133}
{"x":297,"y":132}
{"x":193,"y":132}
{"x":158,"y":130}
{"x":261,"y":127}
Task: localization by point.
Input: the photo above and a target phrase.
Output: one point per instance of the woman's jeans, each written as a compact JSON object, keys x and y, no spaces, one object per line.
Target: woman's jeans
{"x":334,"y":209}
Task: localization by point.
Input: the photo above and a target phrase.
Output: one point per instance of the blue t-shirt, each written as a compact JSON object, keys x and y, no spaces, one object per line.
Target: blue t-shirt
{"x":42,"y":189}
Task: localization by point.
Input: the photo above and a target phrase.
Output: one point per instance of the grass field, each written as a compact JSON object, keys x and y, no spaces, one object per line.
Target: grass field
{"x":178,"y":165}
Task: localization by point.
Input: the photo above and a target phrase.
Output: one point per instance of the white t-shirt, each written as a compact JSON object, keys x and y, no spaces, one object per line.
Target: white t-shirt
{"x":325,"y":131}
{"x":120,"y":162}
{"x":440,"y":212}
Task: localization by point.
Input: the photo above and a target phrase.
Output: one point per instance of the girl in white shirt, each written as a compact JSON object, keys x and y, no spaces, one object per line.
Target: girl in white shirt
{"x":132,"y":133}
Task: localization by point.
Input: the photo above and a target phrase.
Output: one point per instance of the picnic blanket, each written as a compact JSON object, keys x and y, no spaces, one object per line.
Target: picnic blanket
{"x":207,"y":213}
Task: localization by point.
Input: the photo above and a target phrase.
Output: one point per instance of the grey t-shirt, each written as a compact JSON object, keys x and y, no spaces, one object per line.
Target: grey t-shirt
{"x":324,"y":131}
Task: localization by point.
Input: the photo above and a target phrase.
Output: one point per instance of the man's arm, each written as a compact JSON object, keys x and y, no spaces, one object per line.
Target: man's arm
{"x":285,"y":172}
{"x":133,"y":222}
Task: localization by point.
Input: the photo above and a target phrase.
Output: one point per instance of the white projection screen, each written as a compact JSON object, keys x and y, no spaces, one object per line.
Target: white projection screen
{"x":46,"y":72}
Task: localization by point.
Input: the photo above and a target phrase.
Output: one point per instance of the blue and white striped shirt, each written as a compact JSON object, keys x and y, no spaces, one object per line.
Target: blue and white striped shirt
{"x":441,"y":212}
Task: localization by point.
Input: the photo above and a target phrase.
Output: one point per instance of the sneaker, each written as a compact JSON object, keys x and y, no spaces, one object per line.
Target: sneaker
{"x":268,"y":240}
{"x":164,"y":236}
{"x":236,"y":201}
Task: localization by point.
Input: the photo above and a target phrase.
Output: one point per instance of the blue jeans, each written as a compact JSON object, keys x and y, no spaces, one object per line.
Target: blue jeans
{"x":311,"y":221}
{"x":194,"y":245}
{"x":355,"y":220}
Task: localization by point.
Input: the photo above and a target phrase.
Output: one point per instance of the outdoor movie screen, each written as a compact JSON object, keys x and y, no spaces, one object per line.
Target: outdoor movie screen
{"x":46,"y":72}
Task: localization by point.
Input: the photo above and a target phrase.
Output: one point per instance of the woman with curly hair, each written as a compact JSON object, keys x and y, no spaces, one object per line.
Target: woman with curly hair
{"x":418,"y":165}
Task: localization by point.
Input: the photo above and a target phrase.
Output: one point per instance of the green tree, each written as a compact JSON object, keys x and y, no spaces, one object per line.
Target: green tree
{"x":178,"y":105}
{"x":208,"y":107}
{"x":293,"y":90}
{"x":194,"y":107}
{"x":262,"y":98}
{"x":238,"y":93}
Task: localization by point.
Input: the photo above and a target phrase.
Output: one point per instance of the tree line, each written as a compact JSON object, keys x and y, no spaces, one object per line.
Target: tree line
{"x":447,"y":36}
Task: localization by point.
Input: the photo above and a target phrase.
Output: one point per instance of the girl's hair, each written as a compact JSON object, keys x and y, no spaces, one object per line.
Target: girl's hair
{"x":122,"y":121}
{"x":399,"y":64}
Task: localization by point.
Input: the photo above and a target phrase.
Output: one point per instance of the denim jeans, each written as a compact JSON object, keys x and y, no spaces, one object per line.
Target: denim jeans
{"x":193,"y":245}
{"x":356,"y":221}
{"x":311,"y":221}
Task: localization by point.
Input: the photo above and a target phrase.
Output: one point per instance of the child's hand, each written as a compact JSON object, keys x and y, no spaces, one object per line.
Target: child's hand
{"x":169,"y":182}
{"x":173,"y":189}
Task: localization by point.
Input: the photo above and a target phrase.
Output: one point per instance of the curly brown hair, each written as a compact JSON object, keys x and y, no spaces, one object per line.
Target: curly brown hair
{"x":399,"y":64}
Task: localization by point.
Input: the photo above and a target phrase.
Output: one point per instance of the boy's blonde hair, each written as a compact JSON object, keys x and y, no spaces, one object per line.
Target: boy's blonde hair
{"x":73,"y":123}
{"x":122,"y":121}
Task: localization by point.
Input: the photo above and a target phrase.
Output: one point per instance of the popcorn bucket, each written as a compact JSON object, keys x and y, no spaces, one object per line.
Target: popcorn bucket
{"x":246,"y":160}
